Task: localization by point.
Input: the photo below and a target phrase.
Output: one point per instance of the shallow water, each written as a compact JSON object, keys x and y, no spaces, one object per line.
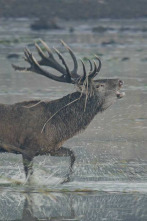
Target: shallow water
{"x":110,"y":174}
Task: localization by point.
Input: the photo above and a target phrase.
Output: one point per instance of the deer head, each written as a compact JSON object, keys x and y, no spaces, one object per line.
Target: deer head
{"x":104,"y":88}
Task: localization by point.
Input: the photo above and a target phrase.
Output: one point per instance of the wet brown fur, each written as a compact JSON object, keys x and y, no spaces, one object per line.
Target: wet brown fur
{"x":36,"y":127}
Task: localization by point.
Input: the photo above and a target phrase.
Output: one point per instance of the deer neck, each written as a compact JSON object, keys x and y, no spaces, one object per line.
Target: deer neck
{"x":90,"y":105}
{"x":70,"y":115}
{"x":80,"y":110}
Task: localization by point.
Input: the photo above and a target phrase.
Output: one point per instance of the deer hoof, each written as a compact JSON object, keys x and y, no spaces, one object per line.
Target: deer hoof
{"x":66,"y":180}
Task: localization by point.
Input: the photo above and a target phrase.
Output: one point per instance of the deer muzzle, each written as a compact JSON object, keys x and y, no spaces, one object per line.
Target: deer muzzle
{"x":118,"y":93}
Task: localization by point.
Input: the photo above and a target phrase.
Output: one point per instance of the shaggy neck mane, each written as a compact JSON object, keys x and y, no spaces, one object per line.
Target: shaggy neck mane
{"x":76,"y":109}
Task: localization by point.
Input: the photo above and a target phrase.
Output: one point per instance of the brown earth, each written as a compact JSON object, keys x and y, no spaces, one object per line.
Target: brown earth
{"x":74,"y":9}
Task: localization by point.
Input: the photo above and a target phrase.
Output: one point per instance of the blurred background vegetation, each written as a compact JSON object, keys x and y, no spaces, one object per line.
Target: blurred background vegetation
{"x":74,"y":9}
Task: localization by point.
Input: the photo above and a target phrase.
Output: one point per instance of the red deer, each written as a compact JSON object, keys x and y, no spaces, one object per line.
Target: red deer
{"x":36,"y":127}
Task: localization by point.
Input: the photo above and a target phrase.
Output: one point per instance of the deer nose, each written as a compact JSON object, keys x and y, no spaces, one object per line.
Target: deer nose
{"x":120,"y":83}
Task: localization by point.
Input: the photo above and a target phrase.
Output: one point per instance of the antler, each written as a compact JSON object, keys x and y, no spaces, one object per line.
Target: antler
{"x":67,"y":75}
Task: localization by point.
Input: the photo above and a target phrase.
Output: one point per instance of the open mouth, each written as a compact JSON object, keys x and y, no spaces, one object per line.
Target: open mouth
{"x":118,"y":93}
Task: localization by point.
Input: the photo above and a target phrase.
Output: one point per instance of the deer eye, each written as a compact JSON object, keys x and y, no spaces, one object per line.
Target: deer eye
{"x":100,"y":85}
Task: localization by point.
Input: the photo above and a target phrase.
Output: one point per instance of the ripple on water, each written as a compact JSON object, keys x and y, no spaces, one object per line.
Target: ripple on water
{"x":54,"y":185}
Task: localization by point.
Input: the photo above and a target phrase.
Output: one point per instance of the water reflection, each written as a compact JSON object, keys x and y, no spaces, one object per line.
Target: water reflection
{"x":73,"y":206}
{"x":50,"y":208}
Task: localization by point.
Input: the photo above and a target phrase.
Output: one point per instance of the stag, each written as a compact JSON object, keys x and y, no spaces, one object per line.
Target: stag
{"x":38,"y":127}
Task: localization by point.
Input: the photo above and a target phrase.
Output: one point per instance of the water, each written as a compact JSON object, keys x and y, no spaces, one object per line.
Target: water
{"x":110,"y":174}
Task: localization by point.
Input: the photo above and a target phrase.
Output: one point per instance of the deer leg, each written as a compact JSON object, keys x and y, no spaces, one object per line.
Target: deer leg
{"x":28,"y":167}
{"x":65,"y":152}
{"x":10,"y":148}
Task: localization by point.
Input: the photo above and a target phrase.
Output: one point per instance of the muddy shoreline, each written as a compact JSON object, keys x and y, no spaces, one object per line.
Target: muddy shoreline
{"x":74,"y":9}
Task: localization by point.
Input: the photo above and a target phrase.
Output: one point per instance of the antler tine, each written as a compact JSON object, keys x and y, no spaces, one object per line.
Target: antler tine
{"x":90,"y":64}
{"x":40,"y":52}
{"x":100,"y":63}
{"x":47,"y":48}
{"x":17,"y":68}
{"x":27,"y":58}
{"x":94,"y":72}
{"x":68,"y":75}
{"x":75,"y":69}
{"x":31,"y":60}
{"x":96,"y":69}
{"x":82,"y":79}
